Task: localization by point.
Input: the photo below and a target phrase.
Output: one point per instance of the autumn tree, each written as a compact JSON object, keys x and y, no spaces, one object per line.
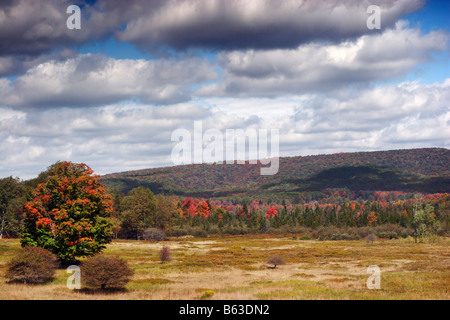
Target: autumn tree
{"x":12,"y":197}
{"x":69,"y":213}
{"x":203,"y":209}
{"x":166,"y":212}
{"x":188,"y":207}
{"x":424,"y":221}
{"x":138,"y":212}
{"x":272,"y":212}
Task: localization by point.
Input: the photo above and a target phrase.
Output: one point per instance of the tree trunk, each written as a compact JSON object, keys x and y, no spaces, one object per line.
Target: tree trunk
{"x":2,"y":227}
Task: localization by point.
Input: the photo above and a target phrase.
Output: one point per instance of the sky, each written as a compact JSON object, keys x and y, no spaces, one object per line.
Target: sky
{"x":111,"y":93}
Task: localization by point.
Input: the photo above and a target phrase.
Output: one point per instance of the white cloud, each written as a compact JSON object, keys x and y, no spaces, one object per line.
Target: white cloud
{"x":128,"y":136}
{"x":318,"y":67}
{"x":95,"y":80}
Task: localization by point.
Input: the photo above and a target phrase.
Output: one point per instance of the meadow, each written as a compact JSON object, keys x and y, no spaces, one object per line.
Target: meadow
{"x":234,"y":267}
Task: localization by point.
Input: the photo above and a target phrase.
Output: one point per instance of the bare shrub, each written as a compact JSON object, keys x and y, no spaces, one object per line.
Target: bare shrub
{"x":275,"y":260}
{"x":164,"y":254}
{"x":154,"y":235}
{"x":33,"y":265}
{"x":371,"y":238}
{"x":102,"y":272}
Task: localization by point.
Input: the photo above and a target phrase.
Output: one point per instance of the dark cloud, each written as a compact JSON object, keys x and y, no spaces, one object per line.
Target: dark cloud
{"x":37,"y":27}
{"x":259,"y":24}
{"x":30,"y":31}
{"x":33,"y":28}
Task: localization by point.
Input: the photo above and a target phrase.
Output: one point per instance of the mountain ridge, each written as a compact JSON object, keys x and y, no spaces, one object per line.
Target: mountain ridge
{"x":412,"y":170}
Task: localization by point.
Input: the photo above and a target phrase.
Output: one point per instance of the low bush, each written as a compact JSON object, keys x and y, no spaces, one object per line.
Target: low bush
{"x":371,"y":238}
{"x":105,"y":272}
{"x":191,"y":231}
{"x":388,"y":235}
{"x":32,"y":265}
{"x":199,"y":233}
{"x":275,"y":260}
{"x":178,"y":232}
{"x":334,"y":233}
{"x":154,"y":235}
{"x":235,"y":230}
{"x":207,"y":294}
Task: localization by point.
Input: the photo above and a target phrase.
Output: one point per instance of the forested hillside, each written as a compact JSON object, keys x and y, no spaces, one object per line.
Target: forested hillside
{"x":416,"y":170}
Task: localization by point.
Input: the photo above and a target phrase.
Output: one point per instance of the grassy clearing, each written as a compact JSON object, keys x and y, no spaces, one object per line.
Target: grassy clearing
{"x":233,"y":267}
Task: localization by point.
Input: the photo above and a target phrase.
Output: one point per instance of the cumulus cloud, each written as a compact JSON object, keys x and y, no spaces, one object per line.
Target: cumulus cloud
{"x":19,"y":64}
{"x":128,"y":136}
{"x":311,"y":69}
{"x":406,"y":115}
{"x":93,"y":80}
{"x":325,"y":67}
{"x":107,"y":138}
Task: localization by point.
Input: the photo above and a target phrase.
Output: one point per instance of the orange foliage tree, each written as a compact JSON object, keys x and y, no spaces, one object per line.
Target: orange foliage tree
{"x":272,"y":212}
{"x":372,"y":218}
{"x":203,"y":209}
{"x":69,"y":214}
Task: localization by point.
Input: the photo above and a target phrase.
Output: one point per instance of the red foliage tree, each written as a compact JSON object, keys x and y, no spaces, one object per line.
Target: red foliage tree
{"x":188,"y":207}
{"x":271,"y":212}
{"x":69,"y":214}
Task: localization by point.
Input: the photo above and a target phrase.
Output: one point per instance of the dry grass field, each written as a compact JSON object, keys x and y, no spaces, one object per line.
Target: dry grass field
{"x":234,"y":267}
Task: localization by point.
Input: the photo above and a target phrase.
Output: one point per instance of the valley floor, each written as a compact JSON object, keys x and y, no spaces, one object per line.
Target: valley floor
{"x":234,"y":267}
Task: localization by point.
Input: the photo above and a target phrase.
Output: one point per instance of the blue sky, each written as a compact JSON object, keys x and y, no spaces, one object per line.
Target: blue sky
{"x":433,"y":16}
{"x":112,"y":93}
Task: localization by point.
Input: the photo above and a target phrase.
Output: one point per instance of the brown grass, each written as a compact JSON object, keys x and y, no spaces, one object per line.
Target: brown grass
{"x":233,"y":267}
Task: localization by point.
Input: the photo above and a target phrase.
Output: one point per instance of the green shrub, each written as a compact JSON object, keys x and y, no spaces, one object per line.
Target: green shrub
{"x":178,"y":232}
{"x":207,"y":294}
{"x":32,"y":265}
{"x":389,"y":235}
{"x":102,"y":272}
{"x":383,"y":235}
{"x":199,"y":233}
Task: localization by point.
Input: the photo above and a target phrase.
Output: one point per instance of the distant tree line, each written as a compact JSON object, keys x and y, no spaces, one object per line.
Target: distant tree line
{"x":140,"y":209}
